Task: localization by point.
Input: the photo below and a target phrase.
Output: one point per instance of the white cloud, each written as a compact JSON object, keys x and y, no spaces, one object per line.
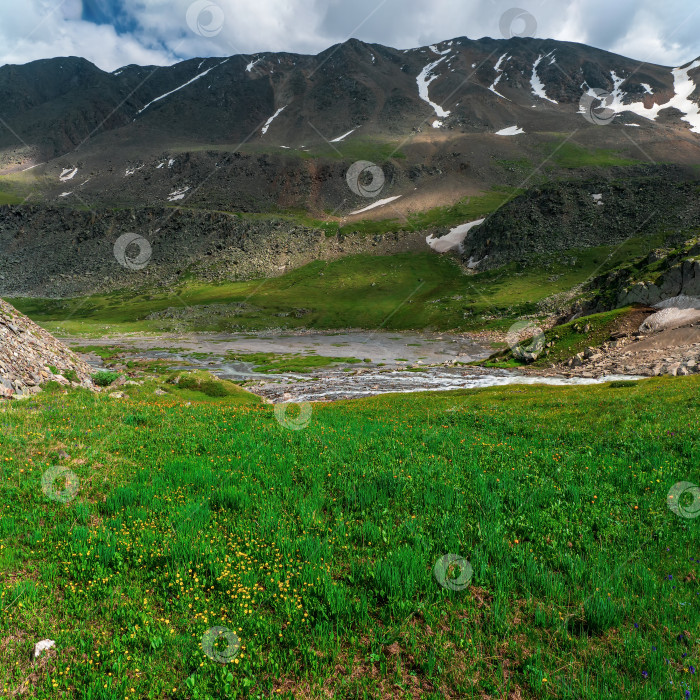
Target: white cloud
{"x":664,"y":33}
{"x":39,"y":30}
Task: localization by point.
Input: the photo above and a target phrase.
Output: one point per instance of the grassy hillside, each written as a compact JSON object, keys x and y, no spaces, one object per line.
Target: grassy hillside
{"x":399,"y":292}
{"x":317,"y":547}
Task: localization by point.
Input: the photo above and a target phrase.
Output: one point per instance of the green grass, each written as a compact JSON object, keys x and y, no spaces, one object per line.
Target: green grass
{"x":317,"y":546}
{"x":199,"y":384}
{"x":105,"y":378}
{"x":356,"y":148}
{"x":273,"y":363}
{"x":411,"y":291}
{"x":567,"y":339}
{"x":10,"y":197}
{"x":571,"y":155}
{"x":574,"y":337}
{"x":106,"y":352}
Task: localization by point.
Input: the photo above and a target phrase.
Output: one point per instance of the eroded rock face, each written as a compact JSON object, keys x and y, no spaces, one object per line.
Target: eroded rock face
{"x":682,"y":279}
{"x":29,"y":356}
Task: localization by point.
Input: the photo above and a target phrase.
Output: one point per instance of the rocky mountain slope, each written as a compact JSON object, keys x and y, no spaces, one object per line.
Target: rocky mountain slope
{"x":30,"y":357}
{"x":59,"y":252}
{"x":596,"y":211}
{"x":278,"y":131}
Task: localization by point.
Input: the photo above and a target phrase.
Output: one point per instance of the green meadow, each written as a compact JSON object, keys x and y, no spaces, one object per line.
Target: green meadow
{"x":397,"y":292}
{"x":204,"y":545}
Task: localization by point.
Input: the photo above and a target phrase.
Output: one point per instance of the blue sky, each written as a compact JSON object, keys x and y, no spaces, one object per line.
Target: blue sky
{"x":113,"y":33}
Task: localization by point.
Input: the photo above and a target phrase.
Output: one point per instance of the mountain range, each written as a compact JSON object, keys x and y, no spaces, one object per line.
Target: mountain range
{"x":242,"y":167}
{"x":276,"y":132}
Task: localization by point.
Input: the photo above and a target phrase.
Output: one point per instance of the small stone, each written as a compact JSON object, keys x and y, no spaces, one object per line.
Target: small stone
{"x":43,"y":645}
{"x":62,"y":454}
{"x":160,"y":392}
{"x":117,"y":395}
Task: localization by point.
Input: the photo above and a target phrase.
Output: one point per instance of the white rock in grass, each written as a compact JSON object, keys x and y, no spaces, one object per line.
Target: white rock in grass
{"x":43,"y":645}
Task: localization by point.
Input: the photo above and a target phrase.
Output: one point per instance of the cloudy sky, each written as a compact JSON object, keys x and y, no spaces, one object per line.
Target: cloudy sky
{"x":113,"y":33}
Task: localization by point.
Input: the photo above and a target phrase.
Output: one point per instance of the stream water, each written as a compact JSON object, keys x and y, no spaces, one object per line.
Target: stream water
{"x":396,"y":362}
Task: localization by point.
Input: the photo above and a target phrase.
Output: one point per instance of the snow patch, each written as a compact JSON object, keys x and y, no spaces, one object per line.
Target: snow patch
{"x":184,"y":85}
{"x":647,"y":88}
{"x":272,"y":118}
{"x":340,"y":138}
{"x":65,"y":194}
{"x":454,"y":239}
{"x":499,"y":70}
{"x":252,"y":65}
{"x":598,"y":199}
{"x":435,"y":49}
{"x":379,"y":203}
{"x":131,"y":171}
{"x":178,"y":194}
{"x":160,"y":165}
{"x":68,"y":174}
{"x":537,"y":84}
{"x":683,"y":85}
{"x":171,"y":162}
{"x":424,"y":79}
{"x":510,"y":131}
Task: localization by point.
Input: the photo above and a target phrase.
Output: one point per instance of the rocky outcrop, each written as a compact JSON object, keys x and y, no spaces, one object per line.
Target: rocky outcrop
{"x":30,"y":357}
{"x":681,"y":279}
{"x":564,"y":216}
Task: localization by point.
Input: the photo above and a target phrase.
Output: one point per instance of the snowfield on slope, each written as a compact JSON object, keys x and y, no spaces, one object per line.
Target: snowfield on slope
{"x":272,"y":118}
{"x":425,"y":77}
{"x":683,"y":85}
{"x":380,"y":203}
{"x":510,"y":131}
{"x":454,"y":239}
{"x":537,"y":84}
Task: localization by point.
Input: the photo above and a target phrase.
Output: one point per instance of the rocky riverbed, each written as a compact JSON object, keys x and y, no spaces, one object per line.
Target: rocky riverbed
{"x":393,"y":363}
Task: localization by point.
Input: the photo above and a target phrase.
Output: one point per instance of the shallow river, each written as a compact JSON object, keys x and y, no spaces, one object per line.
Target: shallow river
{"x":397,"y":351}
